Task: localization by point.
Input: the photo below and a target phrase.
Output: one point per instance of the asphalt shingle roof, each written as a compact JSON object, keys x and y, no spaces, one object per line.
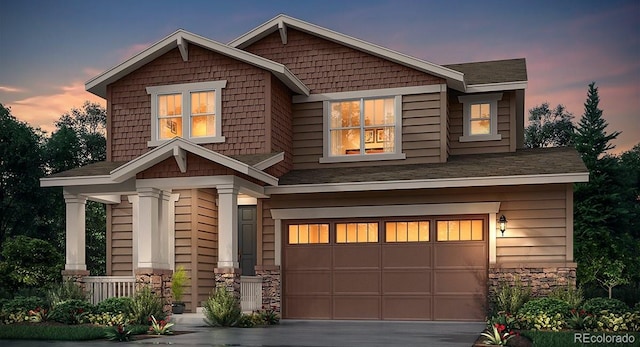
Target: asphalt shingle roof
{"x":497,"y":71}
{"x":538,"y":161}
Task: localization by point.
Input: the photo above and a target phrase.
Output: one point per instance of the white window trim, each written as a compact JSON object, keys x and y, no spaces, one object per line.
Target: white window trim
{"x":468,"y":100}
{"x":326,"y":151}
{"x":186,"y":89}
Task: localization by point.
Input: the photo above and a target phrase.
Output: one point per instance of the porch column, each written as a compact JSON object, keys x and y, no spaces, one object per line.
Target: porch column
{"x":227,"y":274}
{"x":75,"y":233}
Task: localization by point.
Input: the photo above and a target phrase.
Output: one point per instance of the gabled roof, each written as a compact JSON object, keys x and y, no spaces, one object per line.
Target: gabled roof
{"x":455,"y":79}
{"x":180,"y":39}
{"x":496,"y":74}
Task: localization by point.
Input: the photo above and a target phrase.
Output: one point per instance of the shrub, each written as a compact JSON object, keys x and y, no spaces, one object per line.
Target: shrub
{"x":67,"y":290}
{"x":30,"y":262}
{"x":115,"y":305}
{"x":270,"y":317}
{"x":251,"y":320}
{"x":72,"y":311}
{"x":636,"y":308}
{"x":569,"y":294}
{"x":597,"y":305}
{"x":222,"y":309}
{"x":118,"y":333}
{"x":542,"y":321}
{"x":178,"y":281}
{"x":108,"y":318}
{"x":549,"y":306}
{"x":581,"y":320}
{"x":627,"y":321}
{"x":24,"y":304}
{"x":146,"y":304}
{"x":511,"y":298}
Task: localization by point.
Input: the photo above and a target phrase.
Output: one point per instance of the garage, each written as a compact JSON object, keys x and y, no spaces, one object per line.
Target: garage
{"x":416,"y":268}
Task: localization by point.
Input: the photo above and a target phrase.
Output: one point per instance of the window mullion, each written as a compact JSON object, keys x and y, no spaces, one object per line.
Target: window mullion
{"x":362,"y":144}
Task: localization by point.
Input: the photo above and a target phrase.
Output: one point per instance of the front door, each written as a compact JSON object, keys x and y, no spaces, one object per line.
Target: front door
{"x":247,"y":225}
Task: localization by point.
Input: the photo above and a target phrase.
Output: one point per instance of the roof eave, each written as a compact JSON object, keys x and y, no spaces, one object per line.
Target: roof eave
{"x":494,"y":87}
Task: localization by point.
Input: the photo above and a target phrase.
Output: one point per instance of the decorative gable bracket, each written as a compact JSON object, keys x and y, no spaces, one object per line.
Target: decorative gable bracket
{"x":282,"y":28}
{"x":180,"y":156}
{"x":183,"y":46}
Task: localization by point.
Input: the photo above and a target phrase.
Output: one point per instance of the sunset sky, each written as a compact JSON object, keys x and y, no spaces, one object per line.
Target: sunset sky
{"x":49,"y":49}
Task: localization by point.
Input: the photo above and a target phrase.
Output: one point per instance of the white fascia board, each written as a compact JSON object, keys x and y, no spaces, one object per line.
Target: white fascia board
{"x":494,"y":87}
{"x":370,"y":93}
{"x":269,"y":162}
{"x":112,"y":188}
{"x":387,"y":210}
{"x":429,"y":183}
{"x":75,"y":181}
{"x":455,"y":78}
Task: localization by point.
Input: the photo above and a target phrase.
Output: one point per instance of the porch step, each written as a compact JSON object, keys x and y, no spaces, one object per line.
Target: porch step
{"x":189,"y":319}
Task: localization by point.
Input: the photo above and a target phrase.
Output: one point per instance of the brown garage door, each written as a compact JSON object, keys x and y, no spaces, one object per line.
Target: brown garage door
{"x":406,"y":269}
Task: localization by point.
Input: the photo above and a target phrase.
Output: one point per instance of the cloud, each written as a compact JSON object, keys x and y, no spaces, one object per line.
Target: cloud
{"x":43,"y":110}
{"x":11,"y":89}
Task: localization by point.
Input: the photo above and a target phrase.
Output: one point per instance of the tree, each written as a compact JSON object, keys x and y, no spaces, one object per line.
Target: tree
{"x":548,"y":127}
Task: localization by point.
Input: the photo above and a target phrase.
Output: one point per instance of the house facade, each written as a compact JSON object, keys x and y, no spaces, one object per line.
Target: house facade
{"x":353,"y":181}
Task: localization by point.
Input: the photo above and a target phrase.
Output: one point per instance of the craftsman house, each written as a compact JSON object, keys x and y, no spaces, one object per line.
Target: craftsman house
{"x":341,"y":179}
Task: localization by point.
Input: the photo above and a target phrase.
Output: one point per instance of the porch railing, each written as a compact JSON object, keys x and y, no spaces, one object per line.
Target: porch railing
{"x":250,"y":293}
{"x":100,"y":288}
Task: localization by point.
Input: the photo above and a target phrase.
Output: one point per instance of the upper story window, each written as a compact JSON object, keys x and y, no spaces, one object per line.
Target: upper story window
{"x":480,"y":117}
{"x":363,"y":129}
{"x":191,"y":110}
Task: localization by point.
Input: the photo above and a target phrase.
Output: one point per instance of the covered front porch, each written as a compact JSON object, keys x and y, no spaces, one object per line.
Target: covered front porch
{"x":157,"y":222}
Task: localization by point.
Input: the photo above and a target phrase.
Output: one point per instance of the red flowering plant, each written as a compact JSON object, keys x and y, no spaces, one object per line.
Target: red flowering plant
{"x":118,"y":333}
{"x":498,"y":334}
{"x":581,"y":320}
{"x":162,"y":327}
{"x":38,"y":315}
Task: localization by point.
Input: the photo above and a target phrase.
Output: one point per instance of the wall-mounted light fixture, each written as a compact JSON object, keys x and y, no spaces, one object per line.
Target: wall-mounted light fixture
{"x":503,"y":224}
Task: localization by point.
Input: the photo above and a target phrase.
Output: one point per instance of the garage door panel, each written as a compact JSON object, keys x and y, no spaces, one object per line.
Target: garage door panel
{"x":459,"y":281}
{"x":406,"y":307}
{"x":459,"y":307}
{"x":356,"y":307}
{"x":308,"y":257}
{"x":360,"y":256}
{"x":406,"y":282}
{"x":356,"y":282}
{"x":316,"y":282}
{"x":458,"y":254}
{"x":314,"y":307}
{"x":406,"y":255}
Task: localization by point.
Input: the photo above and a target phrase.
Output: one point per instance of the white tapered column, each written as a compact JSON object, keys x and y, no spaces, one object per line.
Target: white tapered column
{"x":75,"y":232}
{"x":227,"y":227}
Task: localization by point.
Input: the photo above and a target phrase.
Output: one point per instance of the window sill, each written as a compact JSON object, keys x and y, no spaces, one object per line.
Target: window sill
{"x":198,"y":140}
{"x":358,"y":158}
{"x":475,"y":138}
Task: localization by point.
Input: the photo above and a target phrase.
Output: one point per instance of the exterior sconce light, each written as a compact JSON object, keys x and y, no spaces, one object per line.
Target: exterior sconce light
{"x":503,"y":224}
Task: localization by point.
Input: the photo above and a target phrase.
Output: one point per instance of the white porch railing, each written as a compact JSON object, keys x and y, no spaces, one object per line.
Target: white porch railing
{"x":250,"y":293}
{"x":100,"y":288}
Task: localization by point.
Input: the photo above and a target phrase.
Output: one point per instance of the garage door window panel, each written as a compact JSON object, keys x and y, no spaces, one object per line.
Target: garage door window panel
{"x":356,"y":232}
{"x":308,"y":233}
{"x":460,"y":230}
{"x":413,"y":231}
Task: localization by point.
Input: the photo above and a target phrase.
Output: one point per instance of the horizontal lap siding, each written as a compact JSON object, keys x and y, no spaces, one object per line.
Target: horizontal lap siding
{"x":183,"y":240}
{"x":536,"y":229}
{"x":121,"y":238}
{"x":456,"y":128}
{"x":207,"y":234}
{"x":421,"y":128}
{"x":268,"y":234}
{"x":307,"y":135}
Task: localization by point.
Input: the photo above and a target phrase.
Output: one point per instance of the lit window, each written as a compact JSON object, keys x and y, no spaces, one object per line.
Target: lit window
{"x":191,"y":110}
{"x":460,"y":230}
{"x":407,"y":231}
{"x":308,"y":233}
{"x":480,"y":117}
{"x":362,"y":127}
{"x":356,"y":232}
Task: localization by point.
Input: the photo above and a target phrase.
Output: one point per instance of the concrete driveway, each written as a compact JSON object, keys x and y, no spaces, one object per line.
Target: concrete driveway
{"x":308,"y":333}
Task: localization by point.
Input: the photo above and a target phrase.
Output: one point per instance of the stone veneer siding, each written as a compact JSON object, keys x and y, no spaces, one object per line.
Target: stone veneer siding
{"x":541,"y":278}
{"x":75,"y":276}
{"x":271,"y":287}
{"x":160,"y":283}
{"x":228,"y":278}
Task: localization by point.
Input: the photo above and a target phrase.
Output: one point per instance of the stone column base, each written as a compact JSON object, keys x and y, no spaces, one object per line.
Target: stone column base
{"x":542,"y":278}
{"x":75,"y":276}
{"x":228,"y":278}
{"x":159,"y":281}
{"x":271,"y":287}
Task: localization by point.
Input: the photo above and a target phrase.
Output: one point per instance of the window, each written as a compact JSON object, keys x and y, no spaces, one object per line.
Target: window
{"x":407,"y":231}
{"x":191,"y":110}
{"x":460,"y":230}
{"x":363,"y":129}
{"x":480,"y":117}
{"x":308,"y":233}
{"x":356,"y":232}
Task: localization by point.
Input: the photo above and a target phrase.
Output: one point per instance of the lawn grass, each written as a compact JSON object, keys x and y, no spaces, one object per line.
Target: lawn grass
{"x":51,"y":332}
{"x":566,"y":338}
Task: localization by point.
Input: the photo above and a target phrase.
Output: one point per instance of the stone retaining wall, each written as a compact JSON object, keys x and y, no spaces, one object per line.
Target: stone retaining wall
{"x":541,"y":278}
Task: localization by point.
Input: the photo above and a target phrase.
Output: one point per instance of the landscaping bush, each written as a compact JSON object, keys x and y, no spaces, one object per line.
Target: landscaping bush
{"x":509,"y":298}
{"x":628,"y":321}
{"x":636,"y":308}
{"x":569,"y":294}
{"x":115,"y":305}
{"x":270,"y":317}
{"x":222,"y":309}
{"x":542,"y":321}
{"x":53,"y":332}
{"x":597,"y":305}
{"x":251,"y":320}
{"x":549,"y":306}
{"x":72,"y":311}
{"x":145,"y":304}
{"x":67,"y":290}
{"x":24,"y":304}
{"x":108,"y":318}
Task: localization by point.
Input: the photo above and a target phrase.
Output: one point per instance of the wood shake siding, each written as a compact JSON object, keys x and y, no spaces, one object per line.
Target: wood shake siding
{"x":327,"y":67}
{"x":243,"y":102}
{"x":505,"y":117}
{"x":537,"y":231}
{"x":120,"y":251}
{"x":280,"y":126}
{"x":421,"y":133}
